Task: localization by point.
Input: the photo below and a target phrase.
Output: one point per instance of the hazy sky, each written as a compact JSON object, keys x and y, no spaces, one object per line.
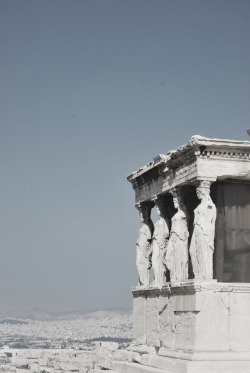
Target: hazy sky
{"x":90,"y":91}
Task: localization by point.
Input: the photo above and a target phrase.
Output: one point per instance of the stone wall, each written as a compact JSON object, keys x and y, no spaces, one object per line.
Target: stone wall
{"x":193,"y":317}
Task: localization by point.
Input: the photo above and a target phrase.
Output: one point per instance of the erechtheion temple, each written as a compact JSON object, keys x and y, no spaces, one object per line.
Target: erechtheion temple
{"x":194,"y":314}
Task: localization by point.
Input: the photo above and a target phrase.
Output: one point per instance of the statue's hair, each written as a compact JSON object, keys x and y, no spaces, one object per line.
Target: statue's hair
{"x":177,"y":193}
{"x":163,"y":207}
{"x":204,"y":185}
{"x":144,"y":209}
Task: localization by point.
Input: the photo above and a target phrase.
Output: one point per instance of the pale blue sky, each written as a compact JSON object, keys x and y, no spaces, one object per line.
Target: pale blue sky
{"x":90,"y":91}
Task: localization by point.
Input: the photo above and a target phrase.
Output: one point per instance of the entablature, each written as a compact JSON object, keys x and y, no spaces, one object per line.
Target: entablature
{"x":200,"y":159}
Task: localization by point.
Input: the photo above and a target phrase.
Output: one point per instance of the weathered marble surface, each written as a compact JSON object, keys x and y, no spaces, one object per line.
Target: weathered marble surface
{"x":167,"y":361}
{"x":177,"y":249}
{"x":157,"y":364}
{"x":159,"y":243}
{"x":239,"y":304}
{"x":143,"y":246}
{"x":194,"y":325}
{"x":200,"y":159}
{"x":166,"y":321}
{"x":42,"y":360}
{"x":197,"y":316}
{"x":139,"y":314}
{"x":152,"y":321}
{"x":202,"y":242}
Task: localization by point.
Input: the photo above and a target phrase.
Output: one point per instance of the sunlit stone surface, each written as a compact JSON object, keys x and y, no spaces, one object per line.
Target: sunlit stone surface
{"x":194,"y":317}
{"x":195,"y":320}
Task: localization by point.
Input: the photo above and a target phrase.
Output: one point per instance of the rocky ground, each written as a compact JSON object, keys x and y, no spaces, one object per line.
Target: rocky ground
{"x":48,"y":361}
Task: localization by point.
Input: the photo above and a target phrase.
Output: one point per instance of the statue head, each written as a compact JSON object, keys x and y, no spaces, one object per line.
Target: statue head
{"x":177,"y":198}
{"x":160,"y":207}
{"x":144,"y":213}
{"x":203,"y":188}
{"x":158,"y":210}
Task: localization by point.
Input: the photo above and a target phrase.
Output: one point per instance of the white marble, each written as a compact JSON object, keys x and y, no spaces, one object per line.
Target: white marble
{"x":202,"y":242}
{"x":191,"y":325}
{"x":240,"y":321}
{"x":139,"y":314}
{"x":143,"y":246}
{"x":159,"y":244}
{"x":152,"y":321}
{"x":200,"y":159}
{"x":177,"y":249}
{"x":42,"y":360}
{"x":166,"y":320}
{"x":211,"y":363}
{"x":197,"y":316}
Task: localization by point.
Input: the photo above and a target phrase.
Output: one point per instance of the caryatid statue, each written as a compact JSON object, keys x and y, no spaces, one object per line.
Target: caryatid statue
{"x":159,"y":242}
{"x":143,"y":245}
{"x":202,"y":242}
{"x":177,"y":249}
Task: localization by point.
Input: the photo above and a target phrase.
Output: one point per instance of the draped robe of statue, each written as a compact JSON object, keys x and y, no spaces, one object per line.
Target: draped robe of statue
{"x":177,"y":249}
{"x":144,"y":252}
{"x":159,"y":247}
{"x":202,"y":242}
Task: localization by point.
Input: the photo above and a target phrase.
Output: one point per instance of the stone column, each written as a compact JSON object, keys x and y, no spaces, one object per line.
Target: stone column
{"x":143,"y":244}
{"x":202,"y":242}
{"x":159,"y":242}
{"x":177,"y":249}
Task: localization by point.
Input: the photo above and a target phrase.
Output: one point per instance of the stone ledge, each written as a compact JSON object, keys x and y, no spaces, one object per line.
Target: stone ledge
{"x":170,"y":365}
{"x":190,"y":286}
{"x":142,"y":349}
{"x":174,"y":365}
{"x":123,"y":367}
{"x":206,"y":356}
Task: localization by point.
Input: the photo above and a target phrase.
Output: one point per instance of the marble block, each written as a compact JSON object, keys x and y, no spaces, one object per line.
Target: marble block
{"x":193,"y":316}
{"x":240,"y":320}
{"x":139,"y":310}
{"x":166,"y":321}
{"x":152,"y":321}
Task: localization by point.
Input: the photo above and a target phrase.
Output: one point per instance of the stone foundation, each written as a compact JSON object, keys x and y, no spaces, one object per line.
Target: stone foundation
{"x":193,"y":316}
{"x":196,"y":327}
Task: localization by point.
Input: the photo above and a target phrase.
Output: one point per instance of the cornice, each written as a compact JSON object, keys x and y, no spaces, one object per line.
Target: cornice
{"x":197,"y":147}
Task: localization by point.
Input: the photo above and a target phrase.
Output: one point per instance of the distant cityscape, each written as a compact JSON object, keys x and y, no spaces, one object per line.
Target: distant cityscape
{"x":78,"y":331}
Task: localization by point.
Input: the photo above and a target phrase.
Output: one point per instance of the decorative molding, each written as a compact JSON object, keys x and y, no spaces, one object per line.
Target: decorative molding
{"x":184,"y":157}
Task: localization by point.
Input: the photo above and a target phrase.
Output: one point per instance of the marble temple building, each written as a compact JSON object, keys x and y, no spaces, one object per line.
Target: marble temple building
{"x":193,"y":315}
